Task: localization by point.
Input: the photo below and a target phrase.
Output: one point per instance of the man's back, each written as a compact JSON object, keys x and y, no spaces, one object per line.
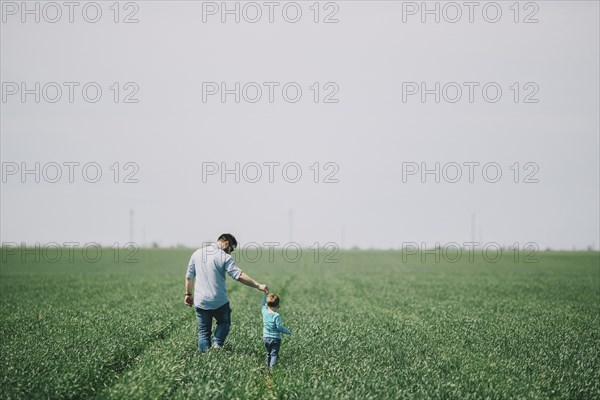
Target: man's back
{"x":208,"y":266}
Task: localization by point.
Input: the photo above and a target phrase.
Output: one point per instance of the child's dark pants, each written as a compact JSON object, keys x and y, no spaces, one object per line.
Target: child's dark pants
{"x":272,"y":346}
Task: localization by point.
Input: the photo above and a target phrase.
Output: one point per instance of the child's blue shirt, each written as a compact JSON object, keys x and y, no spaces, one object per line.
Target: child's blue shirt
{"x":272,"y":326}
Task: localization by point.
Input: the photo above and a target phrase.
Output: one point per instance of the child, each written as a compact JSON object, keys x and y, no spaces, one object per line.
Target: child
{"x":272,"y":328}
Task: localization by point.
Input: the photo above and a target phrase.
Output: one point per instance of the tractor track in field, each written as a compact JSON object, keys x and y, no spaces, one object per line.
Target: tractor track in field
{"x":269,"y":387}
{"x":115,"y":368}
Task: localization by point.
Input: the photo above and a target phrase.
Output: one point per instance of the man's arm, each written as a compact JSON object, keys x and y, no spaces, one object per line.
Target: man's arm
{"x":246,"y":280}
{"x":189,"y":289}
{"x":190,"y":276}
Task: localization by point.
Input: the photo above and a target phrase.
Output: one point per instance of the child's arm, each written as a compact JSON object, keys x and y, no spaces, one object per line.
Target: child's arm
{"x":280,"y":326}
{"x":264,"y":302}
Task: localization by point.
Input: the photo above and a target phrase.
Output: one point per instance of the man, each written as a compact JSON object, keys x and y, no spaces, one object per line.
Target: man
{"x":207,"y":267}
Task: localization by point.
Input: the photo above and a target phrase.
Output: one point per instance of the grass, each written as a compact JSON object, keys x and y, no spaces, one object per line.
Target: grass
{"x":370,"y":326}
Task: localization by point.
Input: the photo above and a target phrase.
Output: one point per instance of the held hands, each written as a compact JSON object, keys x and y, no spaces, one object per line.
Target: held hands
{"x":263,"y":288}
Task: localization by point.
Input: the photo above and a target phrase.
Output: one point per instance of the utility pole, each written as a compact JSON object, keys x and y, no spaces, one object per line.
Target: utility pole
{"x":131,"y":225}
{"x":473,"y":228}
{"x":291,"y":224}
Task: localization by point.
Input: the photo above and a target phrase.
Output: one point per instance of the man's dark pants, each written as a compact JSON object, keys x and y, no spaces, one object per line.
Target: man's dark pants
{"x":223,"y":317}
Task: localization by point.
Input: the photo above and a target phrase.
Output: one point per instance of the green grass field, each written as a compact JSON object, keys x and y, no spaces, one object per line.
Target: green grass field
{"x":370,"y":326}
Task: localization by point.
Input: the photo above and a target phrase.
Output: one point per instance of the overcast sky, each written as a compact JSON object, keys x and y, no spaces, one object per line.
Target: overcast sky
{"x":370,"y":131}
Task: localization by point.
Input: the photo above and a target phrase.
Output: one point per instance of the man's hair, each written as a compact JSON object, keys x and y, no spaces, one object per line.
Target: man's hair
{"x":272,"y":300}
{"x":228,"y":237}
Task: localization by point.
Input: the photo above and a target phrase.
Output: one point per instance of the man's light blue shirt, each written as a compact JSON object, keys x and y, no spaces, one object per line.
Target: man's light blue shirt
{"x":208,"y":266}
